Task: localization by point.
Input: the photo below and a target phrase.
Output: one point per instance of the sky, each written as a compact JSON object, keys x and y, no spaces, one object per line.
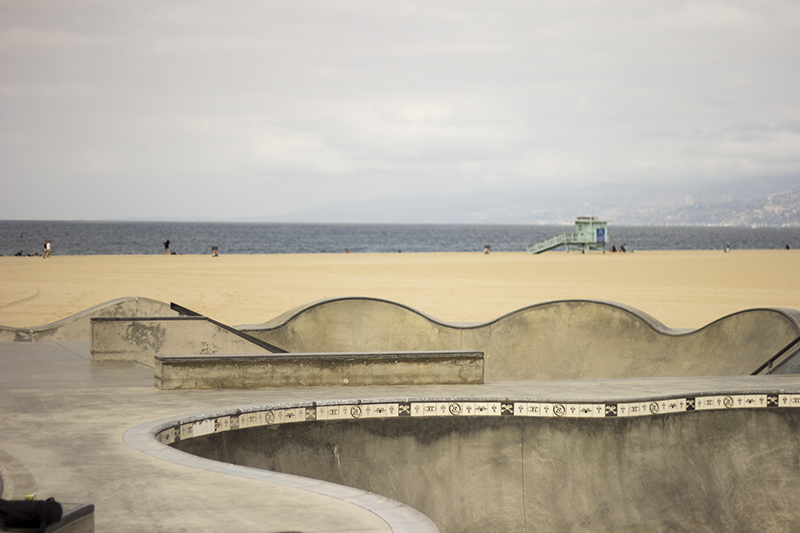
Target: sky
{"x":228,"y":110}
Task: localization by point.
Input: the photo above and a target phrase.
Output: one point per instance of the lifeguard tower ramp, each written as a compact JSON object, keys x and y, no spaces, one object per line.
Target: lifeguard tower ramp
{"x":590,"y":234}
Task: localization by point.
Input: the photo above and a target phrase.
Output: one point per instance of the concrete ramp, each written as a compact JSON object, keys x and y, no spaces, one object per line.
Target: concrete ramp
{"x":78,"y":326}
{"x":570,"y":339}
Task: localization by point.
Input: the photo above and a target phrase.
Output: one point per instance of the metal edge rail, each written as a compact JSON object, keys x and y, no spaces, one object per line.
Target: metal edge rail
{"x":768,"y":364}
{"x":184,"y":311}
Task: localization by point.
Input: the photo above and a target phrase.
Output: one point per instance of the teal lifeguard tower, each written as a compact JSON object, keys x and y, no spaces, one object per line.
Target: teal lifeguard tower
{"x":590,"y":234}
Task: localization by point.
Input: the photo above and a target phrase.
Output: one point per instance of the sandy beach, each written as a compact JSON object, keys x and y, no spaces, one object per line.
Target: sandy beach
{"x":682,"y":289}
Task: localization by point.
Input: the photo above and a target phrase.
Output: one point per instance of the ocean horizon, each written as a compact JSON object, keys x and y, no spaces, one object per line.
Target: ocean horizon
{"x":145,"y":238}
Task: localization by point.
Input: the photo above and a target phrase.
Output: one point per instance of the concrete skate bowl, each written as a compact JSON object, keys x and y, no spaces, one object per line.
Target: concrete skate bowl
{"x":78,"y":326}
{"x":573,"y":339}
{"x":702,"y":463}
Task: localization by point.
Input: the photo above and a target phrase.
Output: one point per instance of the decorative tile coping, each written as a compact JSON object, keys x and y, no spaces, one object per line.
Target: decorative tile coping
{"x":204,"y":424}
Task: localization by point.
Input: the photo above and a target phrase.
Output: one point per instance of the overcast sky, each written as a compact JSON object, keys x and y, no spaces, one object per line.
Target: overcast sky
{"x":232,"y":109}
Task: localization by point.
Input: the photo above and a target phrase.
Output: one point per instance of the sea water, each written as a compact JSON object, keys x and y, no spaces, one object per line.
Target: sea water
{"x":108,"y":238}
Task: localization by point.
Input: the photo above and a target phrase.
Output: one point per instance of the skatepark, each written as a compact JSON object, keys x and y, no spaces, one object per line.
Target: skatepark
{"x":585,"y":416}
{"x":404,"y":392}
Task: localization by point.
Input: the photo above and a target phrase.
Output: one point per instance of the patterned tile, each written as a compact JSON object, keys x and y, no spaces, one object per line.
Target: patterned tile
{"x":203,"y":427}
{"x":468,"y":408}
{"x":789,"y":400}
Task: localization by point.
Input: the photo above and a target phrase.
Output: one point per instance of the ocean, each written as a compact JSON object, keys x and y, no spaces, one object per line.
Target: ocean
{"x":121,"y":238}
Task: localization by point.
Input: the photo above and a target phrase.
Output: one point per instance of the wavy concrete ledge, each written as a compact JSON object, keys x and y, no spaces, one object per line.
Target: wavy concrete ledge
{"x":569,"y":339}
{"x":78,"y":326}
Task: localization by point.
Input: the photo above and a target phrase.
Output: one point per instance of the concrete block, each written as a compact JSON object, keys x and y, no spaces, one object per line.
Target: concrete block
{"x":318,"y":369}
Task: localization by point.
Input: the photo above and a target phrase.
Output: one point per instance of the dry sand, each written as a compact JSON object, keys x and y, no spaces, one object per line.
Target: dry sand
{"x":682,"y":289}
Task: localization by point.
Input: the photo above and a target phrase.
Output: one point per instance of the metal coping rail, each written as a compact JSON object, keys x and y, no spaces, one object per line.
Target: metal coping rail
{"x":768,"y":363}
{"x":184,"y":311}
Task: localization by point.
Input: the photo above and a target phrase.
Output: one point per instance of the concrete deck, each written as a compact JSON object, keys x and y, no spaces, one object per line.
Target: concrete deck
{"x":64,"y":417}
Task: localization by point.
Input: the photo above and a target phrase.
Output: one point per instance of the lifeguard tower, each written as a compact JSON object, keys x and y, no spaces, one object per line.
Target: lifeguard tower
{"x":590,"y":234}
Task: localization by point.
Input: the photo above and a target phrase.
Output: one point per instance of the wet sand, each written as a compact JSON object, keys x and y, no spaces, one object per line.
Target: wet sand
{"x":682,"y":289}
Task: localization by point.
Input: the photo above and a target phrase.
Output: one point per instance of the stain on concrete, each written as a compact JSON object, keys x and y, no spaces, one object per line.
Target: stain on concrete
{"x":145,"y":335}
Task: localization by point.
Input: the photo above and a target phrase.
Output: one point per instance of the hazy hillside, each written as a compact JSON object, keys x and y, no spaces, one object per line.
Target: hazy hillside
{"x":771,"y":201}
{"x":766,"y":201}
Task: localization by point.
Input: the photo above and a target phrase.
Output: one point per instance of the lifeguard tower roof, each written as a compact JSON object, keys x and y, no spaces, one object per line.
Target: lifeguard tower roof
{"x":590,"y":234}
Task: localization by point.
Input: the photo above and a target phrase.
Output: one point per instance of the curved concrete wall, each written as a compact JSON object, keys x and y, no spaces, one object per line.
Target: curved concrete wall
{"x":78,"y":327}
{"x":720,"y":463}
{"x":575,"y":339}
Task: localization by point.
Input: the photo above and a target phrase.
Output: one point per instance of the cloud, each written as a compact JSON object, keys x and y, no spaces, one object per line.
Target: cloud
{"x":315,"y":102}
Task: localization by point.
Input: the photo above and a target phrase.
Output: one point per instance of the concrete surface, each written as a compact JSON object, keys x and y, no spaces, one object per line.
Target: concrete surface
{"x":574,"y":339}
{"x":66,"y":418}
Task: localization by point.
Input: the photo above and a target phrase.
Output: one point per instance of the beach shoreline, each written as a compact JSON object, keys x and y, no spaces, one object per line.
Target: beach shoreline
{"x":681,"y":289}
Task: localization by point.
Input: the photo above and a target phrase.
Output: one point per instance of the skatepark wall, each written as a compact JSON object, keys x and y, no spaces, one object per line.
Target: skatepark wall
{"x":572,"y":339}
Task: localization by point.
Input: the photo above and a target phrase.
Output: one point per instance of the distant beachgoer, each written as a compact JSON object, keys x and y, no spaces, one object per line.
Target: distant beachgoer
{"x":623,"y":247}
{"x":214,"y":251}
{"x":486,"y":249}
{"x":346,"y":251}
{"x":18,"y":254}
{"x":47,"y":249}
{"x":727,"y":249}
{"x":613,"y":248}
{"x":166,"y":247}
{"x":786,"y":247}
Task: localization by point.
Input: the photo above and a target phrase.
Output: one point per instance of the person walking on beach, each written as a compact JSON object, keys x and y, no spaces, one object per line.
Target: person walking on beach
{"x":47,"y":248}
{"x":166,"y":247}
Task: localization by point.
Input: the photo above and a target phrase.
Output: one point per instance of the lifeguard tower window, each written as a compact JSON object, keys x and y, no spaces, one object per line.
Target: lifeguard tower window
{"x":590,"y":234}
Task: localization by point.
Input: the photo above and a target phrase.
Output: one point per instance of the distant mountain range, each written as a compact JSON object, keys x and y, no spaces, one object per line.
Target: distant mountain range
{"x":763,"y":201}
{"x":773,"y":201}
